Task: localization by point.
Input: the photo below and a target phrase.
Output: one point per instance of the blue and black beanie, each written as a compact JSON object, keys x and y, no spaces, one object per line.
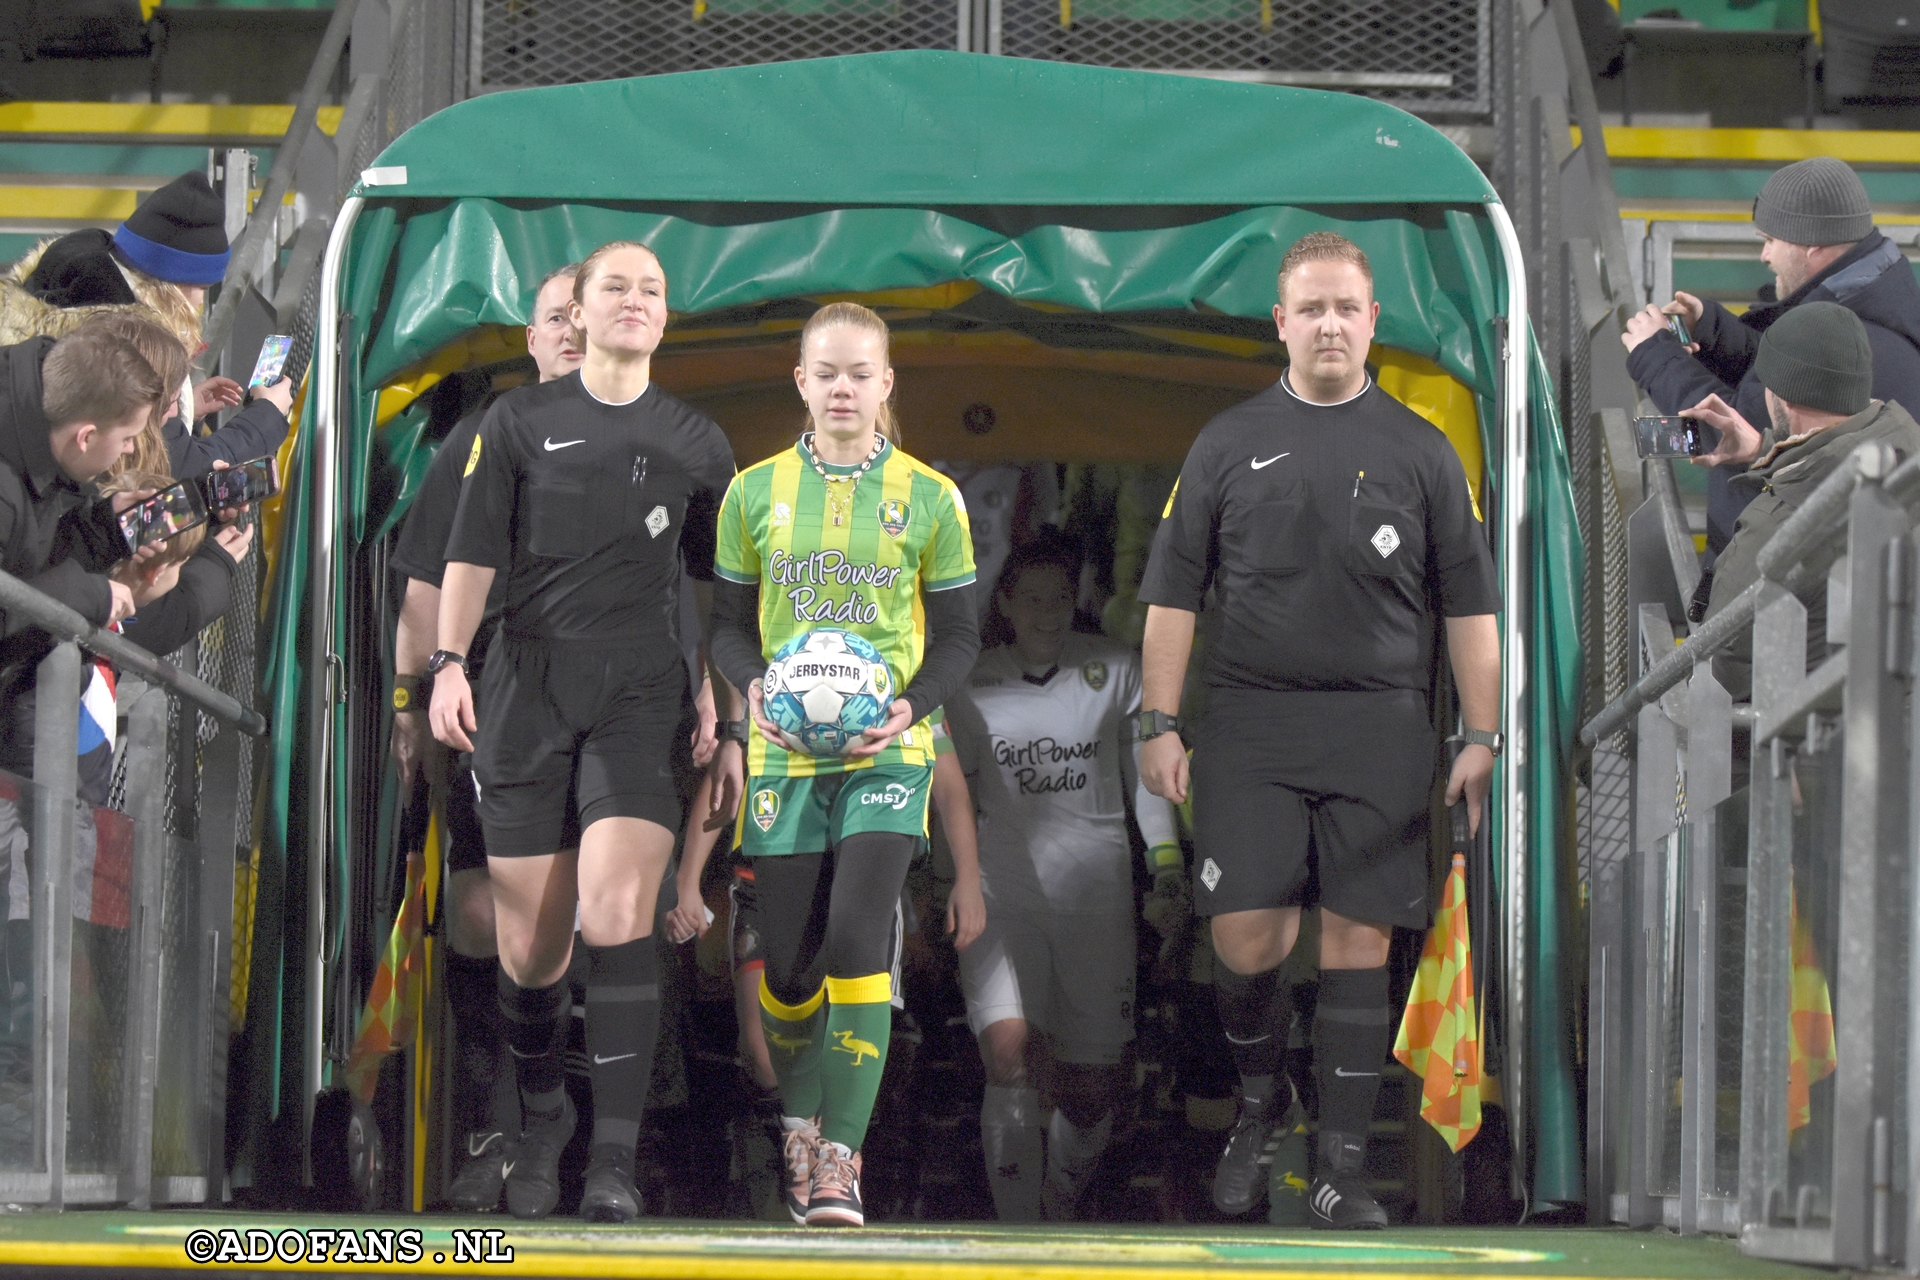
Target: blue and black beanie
{"x":178,"y":233}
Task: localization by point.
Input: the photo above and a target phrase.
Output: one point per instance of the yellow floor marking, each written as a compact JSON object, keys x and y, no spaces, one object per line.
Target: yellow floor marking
{"x":1761,"y":146}
{"x":265,"y":121}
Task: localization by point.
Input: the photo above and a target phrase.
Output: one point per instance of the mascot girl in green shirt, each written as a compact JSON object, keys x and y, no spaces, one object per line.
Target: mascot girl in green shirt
{"x":842,"y":531}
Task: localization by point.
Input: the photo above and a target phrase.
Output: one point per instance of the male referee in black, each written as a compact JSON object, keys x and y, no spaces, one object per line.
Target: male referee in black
{"x":1334,"y":526}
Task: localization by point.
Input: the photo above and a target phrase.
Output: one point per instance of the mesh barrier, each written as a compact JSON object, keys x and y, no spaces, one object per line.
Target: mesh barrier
{"x":1422,"y":54}
{"x":179,"y":1122}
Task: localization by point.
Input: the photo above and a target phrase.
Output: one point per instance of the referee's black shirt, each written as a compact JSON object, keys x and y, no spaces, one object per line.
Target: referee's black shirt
{"x":1334,"y":535}
{"x":584,"y":506}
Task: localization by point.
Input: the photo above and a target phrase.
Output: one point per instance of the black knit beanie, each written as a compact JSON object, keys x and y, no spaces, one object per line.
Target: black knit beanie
{"x":1817,"y":201}
{"x":1816,"y":356}
{"x":178,"y":233}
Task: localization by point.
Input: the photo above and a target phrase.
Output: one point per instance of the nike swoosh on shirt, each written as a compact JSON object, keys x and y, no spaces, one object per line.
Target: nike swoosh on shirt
{"x":1345,"y":1074}
{"x":1257,"y":463}
{"x":599,"y":1061}
{"x":506,"y":1170}
{"x":551,"y":446}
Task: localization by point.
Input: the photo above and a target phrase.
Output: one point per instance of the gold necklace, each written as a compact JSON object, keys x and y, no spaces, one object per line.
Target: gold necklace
{"x":839,"y":503}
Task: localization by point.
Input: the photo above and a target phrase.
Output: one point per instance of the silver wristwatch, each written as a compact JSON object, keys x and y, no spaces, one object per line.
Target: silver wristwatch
{"x":1493,"y":742}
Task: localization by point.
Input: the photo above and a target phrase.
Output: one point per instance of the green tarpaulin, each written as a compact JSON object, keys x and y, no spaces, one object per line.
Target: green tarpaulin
{"x":1112,"y":193}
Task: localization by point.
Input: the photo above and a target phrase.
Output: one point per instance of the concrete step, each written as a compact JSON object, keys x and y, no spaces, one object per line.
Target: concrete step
{"x":67,"y":165}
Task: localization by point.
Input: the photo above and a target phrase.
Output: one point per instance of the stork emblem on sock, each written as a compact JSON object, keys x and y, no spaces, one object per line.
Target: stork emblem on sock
{"x":860,"y":1049}
{"x":789,"y":1044}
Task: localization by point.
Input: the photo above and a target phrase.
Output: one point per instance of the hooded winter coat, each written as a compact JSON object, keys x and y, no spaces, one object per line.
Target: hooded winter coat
{"x":1773,"y":489}
{"x":1872,"y":280}
{"x":61,"y":282}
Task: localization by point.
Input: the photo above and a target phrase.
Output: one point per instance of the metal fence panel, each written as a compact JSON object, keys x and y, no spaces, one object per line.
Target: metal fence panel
{"x":1426,"y":55}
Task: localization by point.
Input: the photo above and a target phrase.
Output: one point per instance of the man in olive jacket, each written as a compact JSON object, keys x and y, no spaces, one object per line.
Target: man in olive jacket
{"x":1817,"y":368}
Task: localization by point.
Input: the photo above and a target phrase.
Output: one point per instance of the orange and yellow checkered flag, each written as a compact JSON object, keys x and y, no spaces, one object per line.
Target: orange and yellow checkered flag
{"x":1811,"y":1053}
{"x":393,"y":1002}
{"x":1439,"y":1037}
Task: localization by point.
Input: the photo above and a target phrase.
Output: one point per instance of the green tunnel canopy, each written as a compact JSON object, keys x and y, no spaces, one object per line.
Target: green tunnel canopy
{"x":932,"y":129}
{"x":1123,"y":198}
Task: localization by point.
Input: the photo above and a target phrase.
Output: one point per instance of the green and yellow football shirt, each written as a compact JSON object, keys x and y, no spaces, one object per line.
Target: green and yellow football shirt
{"x":905,"y":533}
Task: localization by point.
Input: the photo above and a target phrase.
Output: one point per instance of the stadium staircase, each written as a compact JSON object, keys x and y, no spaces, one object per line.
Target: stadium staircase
{"x":66,"y":165}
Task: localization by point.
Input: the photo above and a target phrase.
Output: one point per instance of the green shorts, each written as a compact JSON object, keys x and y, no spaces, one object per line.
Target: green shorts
{"x":810,"y":815}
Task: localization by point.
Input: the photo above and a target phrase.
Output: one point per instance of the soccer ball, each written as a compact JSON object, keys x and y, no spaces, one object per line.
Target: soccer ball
{"x":824,"y":688}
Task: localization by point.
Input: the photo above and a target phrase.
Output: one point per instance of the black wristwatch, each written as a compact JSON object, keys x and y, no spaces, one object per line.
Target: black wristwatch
{"x":1148,"y":725}
{"x":1493,"y":742}
{"x":443,"y":658}
{"x":732,"y":731}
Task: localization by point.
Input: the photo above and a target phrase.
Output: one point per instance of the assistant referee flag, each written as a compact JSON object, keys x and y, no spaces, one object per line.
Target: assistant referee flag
{"x":1440,"y":1035}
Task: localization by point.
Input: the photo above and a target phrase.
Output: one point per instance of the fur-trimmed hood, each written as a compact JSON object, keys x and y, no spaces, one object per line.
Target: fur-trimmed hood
{"x":24,"y":316}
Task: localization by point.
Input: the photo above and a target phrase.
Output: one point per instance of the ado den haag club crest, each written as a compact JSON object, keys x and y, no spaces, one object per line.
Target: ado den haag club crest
{"x":1095,"y":674}
{"x":766,"y":808}
{"x":894,"y":515}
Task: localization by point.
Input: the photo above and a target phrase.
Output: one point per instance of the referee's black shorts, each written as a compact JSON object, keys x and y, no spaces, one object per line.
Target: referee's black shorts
{"x":575,"y":731}
{"x":1315,"y":799}
{"x":466,"y":843}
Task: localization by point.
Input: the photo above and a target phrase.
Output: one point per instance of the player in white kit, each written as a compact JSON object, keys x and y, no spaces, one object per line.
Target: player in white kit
{"x":1044,"y":732}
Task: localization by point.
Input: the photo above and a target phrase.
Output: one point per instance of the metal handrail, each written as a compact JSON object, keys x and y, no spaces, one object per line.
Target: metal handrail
{"x":1665,"y":490}
{"x":64,"y":623}
{"x":1817,"y":520}
{"x":266,"y":213}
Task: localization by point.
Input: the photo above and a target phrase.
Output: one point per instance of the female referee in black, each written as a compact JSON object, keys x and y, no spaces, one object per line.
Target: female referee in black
{"x":583,"y":490}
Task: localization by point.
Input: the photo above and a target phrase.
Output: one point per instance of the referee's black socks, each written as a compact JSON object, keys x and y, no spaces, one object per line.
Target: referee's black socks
{"x":536,"y":1026}
{"x":473,"y":995}
{"x":623,"y":1026}
{"x":1256,"y":1014}
{"x":1352,"y":1029}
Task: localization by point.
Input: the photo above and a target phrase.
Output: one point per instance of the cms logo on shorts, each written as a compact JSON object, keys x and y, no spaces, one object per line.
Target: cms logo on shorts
{"x":897,"y":796}
{"x":766,"y":808}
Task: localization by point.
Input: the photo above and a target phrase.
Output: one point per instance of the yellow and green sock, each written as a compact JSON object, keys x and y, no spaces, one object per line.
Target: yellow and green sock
{"x":859,"y":1024}
{"x":793,"y":1044}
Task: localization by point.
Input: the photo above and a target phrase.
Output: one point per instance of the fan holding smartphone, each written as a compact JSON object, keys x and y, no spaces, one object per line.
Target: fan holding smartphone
{"x":257,"y":430}
{"x":1815,"y":365}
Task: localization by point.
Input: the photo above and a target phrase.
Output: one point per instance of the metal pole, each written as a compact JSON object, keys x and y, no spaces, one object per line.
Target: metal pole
{"x":146,"y":756}
{"x":322,"y":662}
{"x":66,"y":624}
{"x":1873,"y":868}
{"x":266,"y":214}
{"x":1514,"y":565}
{"x":1709,"y":782}
{"x":1673,"y":525}
{"x":218,"y":841}
{"x":56,"y":775}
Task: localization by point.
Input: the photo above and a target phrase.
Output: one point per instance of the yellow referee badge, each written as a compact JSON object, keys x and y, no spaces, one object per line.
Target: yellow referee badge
{"x":473,"y":457}
{"x":401,"y":698}
{"x":766,"y":808}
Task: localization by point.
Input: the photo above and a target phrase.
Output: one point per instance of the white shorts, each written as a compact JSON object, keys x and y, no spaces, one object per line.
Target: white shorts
{"x":1070,"y":975}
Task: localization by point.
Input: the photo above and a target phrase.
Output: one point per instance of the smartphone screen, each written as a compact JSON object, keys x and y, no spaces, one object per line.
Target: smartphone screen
{"x":273,"y":358}
{"x":240,"y":484}
{"x":174,"y":509}
{"x":1670,"y":436}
